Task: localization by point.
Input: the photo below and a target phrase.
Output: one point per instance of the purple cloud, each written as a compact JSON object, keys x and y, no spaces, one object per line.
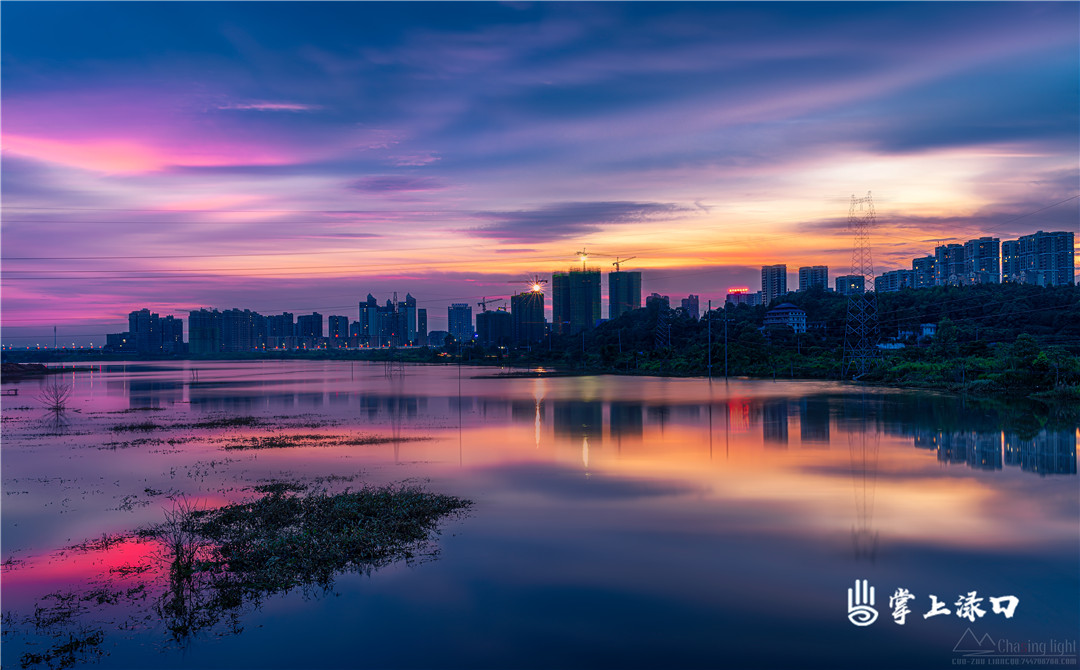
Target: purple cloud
{"x":396,"y":184}
{"x":571,"y":219}
{"x":271,"y":106}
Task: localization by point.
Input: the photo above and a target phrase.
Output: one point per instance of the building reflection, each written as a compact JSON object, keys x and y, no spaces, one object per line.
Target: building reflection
{"x":814,"y":422}
{"x":774,"y":423}
{"x":1049,"y":452}
{"x":153,"y":393}
{"x":957,"y":432}
{"x":626,"y":420}
{"x":577,"y":420}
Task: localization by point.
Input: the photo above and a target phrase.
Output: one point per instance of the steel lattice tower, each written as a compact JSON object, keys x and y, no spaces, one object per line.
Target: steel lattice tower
{"x":861,"y":334}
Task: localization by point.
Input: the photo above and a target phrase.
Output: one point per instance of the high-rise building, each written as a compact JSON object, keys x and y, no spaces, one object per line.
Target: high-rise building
{"x":145,"y":331}
{"x":743,"y":296}
{"x":1010,"y":261}
{"x":624,"y":293}
{"x":527,"y":310}
{"x":309,"y":325}
{"x":421,"y":327}
{"x":280,"y":325}
{"x":149,"y":333}
{"x":575,"y":300}
{"x":560,"y":302}
{"x":408,"y":308}
{"x":982,"y":261}
{"x":1044,"y":259}
{"x":949,"y":265}
{"x":394,"y":326}
{"x":338,"y":327}
{"x":690,"y":307}
{"x":850,"y":284}
{"x":660,"y":301}
{"x":370,"y":328}
{"x":204,"y":331}
{"x":240,"y":330}
{"x":459,"y":319}
{"x":773,"y":282}
{"x":895,"y":280}
{"x":924,"y":270}
{"x":494,"y":328}
{"x":172,"y":335}
{"x":814,"y":275}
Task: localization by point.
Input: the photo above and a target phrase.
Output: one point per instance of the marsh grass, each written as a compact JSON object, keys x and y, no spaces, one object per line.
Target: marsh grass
{"x":145,"y":426}
{"x":318,"y":440}
{"x":221,"y":559}
{"x":77,"y":649}
{"x":226,"y":422}
{"x":213,"y":565}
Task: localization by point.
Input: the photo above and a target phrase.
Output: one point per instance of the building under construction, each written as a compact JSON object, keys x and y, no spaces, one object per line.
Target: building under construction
{"x":624,"y":293}
{"x":527,"y":310}
{"x":575,"y":300}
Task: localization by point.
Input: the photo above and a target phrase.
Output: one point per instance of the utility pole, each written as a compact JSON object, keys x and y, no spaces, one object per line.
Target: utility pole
{"x":725,"y":341}
{"x":709,"y":326}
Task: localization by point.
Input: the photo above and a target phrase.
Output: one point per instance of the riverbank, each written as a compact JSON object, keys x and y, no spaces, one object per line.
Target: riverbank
{"x":1026,"y":373}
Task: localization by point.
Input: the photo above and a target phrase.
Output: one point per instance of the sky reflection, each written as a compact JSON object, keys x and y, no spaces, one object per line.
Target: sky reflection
{"x":704,"y":523}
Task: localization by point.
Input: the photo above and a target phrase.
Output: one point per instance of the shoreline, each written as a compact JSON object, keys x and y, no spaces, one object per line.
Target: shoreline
{"x":36,"y":365}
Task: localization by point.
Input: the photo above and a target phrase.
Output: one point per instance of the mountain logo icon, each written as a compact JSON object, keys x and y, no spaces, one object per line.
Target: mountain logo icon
{"x":969,"y":645}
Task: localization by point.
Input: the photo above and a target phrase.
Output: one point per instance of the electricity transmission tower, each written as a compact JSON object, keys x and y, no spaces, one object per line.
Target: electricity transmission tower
{"x":861,"y":333}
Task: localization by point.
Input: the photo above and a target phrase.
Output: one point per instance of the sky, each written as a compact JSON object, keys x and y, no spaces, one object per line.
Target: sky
{"x":297,"y":156}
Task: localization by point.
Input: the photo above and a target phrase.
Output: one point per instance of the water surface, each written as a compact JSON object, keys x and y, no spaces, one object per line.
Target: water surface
{"x":618,"y":521}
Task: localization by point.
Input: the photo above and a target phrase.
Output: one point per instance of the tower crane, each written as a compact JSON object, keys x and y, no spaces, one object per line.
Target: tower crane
{"x":618,"y":262}
{"x":484,"y":302}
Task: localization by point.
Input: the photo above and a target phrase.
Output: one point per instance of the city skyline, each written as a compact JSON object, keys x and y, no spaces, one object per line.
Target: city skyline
{"x":1039,"y":259}
{"x":289,"y":158}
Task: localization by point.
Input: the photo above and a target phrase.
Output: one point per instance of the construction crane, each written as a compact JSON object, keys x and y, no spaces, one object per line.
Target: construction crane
{"x":584,"y":256}
{"x":619,"y":262}
{"x":484,"y":302}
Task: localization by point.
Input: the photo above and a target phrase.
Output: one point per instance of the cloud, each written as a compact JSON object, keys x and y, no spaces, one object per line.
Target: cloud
{"x":396,"y":184}
{"x":341,"y":236}
{"x":271,"y":106}
{"x":571,"y":219}
{"x":415,"y":160}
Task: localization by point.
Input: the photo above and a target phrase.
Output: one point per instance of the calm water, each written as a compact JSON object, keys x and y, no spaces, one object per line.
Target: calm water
{"x":618,"y":522}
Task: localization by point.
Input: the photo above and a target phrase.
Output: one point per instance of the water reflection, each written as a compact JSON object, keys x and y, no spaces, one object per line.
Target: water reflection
{"x":814,"y":422}
{"x":726,"y":516}
{"x":952,"y":428}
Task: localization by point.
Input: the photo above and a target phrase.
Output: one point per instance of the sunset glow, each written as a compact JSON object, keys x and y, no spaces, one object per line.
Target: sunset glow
{"x":289,"y":157}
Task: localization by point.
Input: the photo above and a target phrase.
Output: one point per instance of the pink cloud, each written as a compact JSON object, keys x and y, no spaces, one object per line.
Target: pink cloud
{"x":101,"y":155}
{"x":125,"y":131}
{"x":129,"y":156}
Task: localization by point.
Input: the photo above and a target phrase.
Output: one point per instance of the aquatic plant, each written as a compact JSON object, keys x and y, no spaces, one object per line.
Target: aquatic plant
{"x":220,"y":559}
